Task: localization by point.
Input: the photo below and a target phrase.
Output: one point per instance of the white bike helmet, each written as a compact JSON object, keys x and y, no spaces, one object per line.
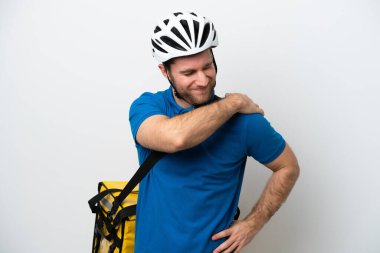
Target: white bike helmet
{"x":182,"y":34}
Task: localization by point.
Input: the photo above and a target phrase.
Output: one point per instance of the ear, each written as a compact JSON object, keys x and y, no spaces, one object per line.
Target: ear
{"x":163,"y":70}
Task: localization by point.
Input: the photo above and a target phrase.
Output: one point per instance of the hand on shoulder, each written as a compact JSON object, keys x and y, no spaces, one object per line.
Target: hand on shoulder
{"x":243,"y":103}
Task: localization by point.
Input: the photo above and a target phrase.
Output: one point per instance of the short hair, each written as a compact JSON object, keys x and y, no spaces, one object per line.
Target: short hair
{"x":168,"y":63}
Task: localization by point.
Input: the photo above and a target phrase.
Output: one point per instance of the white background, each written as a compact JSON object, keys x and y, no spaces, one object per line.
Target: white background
{"x":69,"y":71}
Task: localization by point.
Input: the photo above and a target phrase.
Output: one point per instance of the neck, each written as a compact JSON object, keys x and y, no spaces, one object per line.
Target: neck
{"x":180,"y":102}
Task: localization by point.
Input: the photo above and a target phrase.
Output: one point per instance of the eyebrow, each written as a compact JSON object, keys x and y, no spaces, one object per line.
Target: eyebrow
{"x":190,"y":70}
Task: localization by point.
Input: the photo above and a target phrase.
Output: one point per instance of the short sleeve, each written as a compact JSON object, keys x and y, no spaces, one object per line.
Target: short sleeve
{"x":148,"y":104}
{"x":263,"y":142}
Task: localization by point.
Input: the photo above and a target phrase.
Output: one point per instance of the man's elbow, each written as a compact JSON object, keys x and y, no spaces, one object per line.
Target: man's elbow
{"x":176,"y":144}
{"x":168,"y":145}
{"x":294,"y":172}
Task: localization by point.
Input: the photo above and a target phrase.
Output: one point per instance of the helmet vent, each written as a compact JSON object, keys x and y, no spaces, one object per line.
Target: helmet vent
{"x":186,"y":27}
{"x":192,"y":13}
{"x":172,"y":43}
{"x":166,"y":21}
{"x":206,"y":32}
{"x":157,"y":29}
{"x":159,"y":42}
{"x":196,"y":30}
{"x":179,"y":35}
{"x":177,"y":13}
{"x":158,"y":47}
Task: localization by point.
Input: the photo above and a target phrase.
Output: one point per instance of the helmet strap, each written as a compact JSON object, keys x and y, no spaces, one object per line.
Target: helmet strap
{"x":213,"y":59}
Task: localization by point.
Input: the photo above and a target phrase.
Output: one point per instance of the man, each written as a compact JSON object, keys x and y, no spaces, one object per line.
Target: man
{"x":188,"y":200}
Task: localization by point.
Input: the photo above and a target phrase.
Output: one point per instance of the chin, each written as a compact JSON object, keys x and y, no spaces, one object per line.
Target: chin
{"x":201,"y":101}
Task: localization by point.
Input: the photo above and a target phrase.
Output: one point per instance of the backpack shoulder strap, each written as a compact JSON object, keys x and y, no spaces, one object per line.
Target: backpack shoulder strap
{"x":152,"y":159}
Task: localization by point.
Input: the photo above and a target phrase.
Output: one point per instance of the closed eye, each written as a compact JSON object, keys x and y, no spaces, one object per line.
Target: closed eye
{"x":208,"y":66}
{"x":188,"y":73}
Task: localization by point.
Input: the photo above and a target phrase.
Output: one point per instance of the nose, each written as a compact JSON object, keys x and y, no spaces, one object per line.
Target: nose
{"x":202,"y":79}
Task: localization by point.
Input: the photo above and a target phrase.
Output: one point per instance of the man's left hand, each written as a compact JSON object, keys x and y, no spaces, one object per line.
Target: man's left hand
{"x":239,"y":235}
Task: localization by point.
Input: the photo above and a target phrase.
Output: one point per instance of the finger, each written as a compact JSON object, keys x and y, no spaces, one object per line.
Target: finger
{"x":238,"y":249}
{"x":222,"y":234}
{"x":258,"y":109}
{"x":232,"y":248}
{"x":224,"y":246}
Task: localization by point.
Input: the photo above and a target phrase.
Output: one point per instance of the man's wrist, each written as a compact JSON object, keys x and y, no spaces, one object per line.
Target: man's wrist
{"x":232,"y":103}
{"x":254,"y":222}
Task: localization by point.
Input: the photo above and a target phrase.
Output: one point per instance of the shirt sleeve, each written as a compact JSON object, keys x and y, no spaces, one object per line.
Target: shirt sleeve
{"x":263,"y":142}
{"x":148,"y":104}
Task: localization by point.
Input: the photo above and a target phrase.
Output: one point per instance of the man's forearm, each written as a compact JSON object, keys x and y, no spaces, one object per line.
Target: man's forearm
{"x":194,"y":127}
{"x":190,"y":129}
{"x":275,"y":193}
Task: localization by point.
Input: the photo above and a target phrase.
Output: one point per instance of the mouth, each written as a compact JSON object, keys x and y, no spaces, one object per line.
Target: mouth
{"x":201,"y":92}
{"x":204,"y":89}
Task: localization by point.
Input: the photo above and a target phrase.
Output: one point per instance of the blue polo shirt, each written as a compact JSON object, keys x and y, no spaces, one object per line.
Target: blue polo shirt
{"x":190,"y":195}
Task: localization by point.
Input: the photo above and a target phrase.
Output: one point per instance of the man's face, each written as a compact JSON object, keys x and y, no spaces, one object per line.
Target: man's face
{"x":194,"y":77}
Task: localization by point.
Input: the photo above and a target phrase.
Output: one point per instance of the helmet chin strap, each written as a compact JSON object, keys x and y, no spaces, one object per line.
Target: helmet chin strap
{"x":213,"y":60}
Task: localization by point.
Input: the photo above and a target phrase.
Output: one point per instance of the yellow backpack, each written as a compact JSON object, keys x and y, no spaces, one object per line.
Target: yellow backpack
{"x":115,"y":209}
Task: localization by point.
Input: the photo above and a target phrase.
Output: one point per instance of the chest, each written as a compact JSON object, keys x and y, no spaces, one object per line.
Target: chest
{"x":218,"y":159}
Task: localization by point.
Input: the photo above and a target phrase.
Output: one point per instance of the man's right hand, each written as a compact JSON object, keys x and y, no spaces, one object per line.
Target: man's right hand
{"x":243,"y":103}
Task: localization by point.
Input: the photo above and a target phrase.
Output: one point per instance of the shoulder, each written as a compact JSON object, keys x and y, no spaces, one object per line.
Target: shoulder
{"x":252,"y":121}
{"x":247,"y":123}
{"x":146,"y":105}
{"x":150,"y":97}
{"x":149,"y":100}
